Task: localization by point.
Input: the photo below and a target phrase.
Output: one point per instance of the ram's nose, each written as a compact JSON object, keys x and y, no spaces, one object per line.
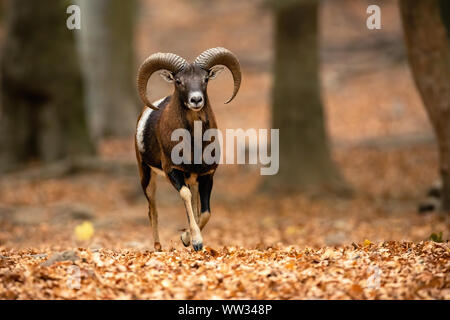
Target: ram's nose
{"x":196,"y":101}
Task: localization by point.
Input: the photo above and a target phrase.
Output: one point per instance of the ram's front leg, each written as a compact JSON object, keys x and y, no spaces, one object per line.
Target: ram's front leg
{"x":177,"y":179}
{"x":186,"y":235}
{"x":201,"y":192}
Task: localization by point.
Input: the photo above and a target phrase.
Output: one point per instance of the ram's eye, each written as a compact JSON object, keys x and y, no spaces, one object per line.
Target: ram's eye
{"x":178,"y":81}
{"x":206,"y":79}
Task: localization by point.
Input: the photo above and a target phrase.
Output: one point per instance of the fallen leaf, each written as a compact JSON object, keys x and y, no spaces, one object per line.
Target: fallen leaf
{"x":84,"y":231}
{"x":367,"y":243}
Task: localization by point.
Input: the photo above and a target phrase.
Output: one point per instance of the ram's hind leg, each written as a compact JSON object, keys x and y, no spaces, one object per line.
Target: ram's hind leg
{"x":148,"y":182}
{"x":152,"y":211}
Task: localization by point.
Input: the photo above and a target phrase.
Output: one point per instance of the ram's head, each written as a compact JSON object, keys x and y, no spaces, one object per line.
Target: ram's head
{"x":190,"y":79}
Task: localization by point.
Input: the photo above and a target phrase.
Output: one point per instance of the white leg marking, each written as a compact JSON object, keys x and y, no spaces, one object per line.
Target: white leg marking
{"x":185,"y":193}
{"x":201,"y":218}
{"x":197,"y":240}
{"x":193,"y":185}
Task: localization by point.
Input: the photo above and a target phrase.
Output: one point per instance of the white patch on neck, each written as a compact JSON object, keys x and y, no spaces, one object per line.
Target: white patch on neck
{"x":142,"y":125}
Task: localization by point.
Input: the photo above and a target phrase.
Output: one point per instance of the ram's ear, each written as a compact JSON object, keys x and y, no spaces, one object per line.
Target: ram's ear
{"x":167,"y":75}
{"x":214,"y":72}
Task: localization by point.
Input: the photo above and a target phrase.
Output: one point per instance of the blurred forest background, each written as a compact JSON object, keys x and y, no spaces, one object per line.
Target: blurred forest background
{"x":364,"y":132}
{"x":357,"y":149}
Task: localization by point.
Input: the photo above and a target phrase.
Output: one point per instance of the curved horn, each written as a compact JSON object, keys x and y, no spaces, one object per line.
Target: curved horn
{"x":222,"y":56}
{"x":153,"y":63}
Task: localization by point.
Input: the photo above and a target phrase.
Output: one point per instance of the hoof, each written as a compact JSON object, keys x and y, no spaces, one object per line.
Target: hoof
{"x":198,"y":246}
{"x":157,"y":247}
{"x":185,"y":239}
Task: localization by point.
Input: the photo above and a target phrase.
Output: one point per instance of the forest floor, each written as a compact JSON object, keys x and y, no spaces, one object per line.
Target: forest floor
{"x":84,"y":234}
{"x":370,"y":245}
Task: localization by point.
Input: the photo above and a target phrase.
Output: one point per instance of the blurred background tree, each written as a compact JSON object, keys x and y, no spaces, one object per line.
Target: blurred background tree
{"x":297,"y":110}
{"x":108,"y":56}
{"x":42,"y":94}
{"x":429,"y":56}
{"x":445,"y":14}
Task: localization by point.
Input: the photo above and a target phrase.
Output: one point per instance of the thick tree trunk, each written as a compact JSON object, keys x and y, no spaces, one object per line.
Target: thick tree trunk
{"x":305,"y":161}
{"x":429,"y":56}
{"x":107,"y":50}
{"x":445,"y":14}
{"x":42,"y":114}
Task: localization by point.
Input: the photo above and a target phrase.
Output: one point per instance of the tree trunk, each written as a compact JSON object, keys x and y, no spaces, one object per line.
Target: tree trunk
{"x":107,"y":50}
{"x":42,"y":114}
{"x":445,"y":14}
{"x":305,"y":160}
{"x":429,"y":56}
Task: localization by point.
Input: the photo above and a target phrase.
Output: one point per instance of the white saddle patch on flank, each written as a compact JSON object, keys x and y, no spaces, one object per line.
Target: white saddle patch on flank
{"x":142,"y":124}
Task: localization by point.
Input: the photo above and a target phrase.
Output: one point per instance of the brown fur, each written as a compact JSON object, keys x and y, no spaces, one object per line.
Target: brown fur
{"x":158,"y":131}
